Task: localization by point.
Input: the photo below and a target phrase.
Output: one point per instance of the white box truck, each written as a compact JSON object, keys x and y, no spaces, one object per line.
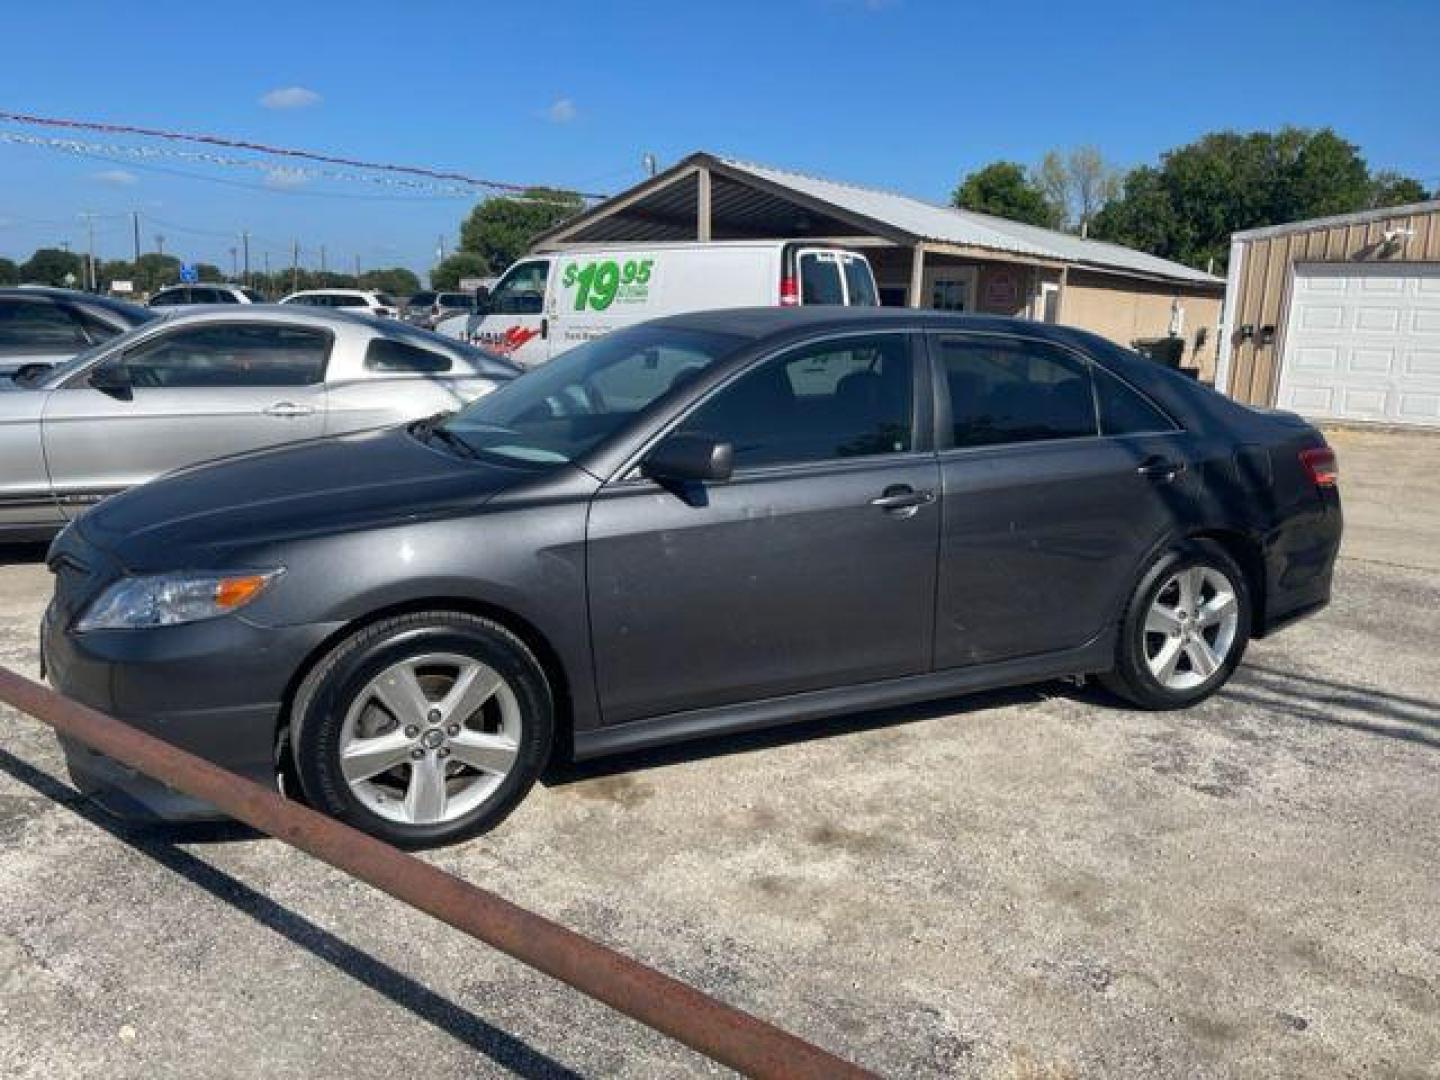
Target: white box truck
{"x":547,"y":303}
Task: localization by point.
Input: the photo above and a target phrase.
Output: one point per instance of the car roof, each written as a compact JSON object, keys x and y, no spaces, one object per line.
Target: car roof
{"x":759,"y":322}
{"x":113,"y":304}
{"x":335,"y":292}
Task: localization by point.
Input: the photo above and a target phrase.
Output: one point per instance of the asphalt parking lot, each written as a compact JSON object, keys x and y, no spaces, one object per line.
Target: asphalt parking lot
{"x":1036,"y":883}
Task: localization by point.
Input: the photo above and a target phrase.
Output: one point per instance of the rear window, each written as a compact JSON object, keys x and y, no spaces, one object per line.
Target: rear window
{"x":859,"y":283}
{"x":346,"y":301}
{"x":457,"y":300}
{"x":422,"y":299}
{"x":384,"y":354}
{"x":820,"y":279}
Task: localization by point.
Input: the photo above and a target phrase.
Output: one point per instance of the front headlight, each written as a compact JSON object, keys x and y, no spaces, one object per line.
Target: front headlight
{"x":134,"y":603}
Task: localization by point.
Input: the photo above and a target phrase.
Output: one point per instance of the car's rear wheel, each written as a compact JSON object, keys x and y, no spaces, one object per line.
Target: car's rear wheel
{"x":1185,"y":628}
{"x":423,"y":729}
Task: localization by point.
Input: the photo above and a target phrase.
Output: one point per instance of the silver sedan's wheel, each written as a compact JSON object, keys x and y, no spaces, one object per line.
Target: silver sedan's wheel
{"x":430,"y":738}
{"x":1191,"y":627}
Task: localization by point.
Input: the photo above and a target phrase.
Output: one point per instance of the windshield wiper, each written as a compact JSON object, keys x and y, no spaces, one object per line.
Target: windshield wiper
{"x":430,"y":429}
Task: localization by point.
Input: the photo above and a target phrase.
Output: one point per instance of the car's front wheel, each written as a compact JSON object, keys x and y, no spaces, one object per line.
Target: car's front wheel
{"x":423,"y":729}
{"x":1185,"y":628}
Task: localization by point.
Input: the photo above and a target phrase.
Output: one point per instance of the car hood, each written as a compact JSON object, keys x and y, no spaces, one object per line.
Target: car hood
{"x":291,"y":492}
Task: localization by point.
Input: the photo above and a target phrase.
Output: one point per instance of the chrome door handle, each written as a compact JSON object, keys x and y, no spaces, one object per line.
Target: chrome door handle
{"x":903,"y":497}
{"x":289,"y":408}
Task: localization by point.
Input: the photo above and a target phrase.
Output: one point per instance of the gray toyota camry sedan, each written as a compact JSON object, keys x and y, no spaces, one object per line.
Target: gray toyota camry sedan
{"x":206,"y":382}
{"x":692,"y":526}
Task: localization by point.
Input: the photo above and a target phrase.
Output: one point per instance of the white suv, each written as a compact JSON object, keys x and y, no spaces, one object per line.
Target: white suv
{"x":175,"y":295}
{"x":376,"y":303}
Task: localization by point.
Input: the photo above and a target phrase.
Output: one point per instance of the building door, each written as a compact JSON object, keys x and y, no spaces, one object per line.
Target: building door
{"x":1363,"y":343}
{"x":1048,"y":307}
{"x":950,"y":288}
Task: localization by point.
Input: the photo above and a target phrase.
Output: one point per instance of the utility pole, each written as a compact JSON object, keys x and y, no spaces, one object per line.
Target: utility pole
{"x":91,"y":278}
{"x":440,"y":248}
{"x":234,"y":262}
{"x":159,"y":243}
{"x":295,"y":266}
{"x":245,"y":243}
{"x":135,"y":225}
{"x":357,"y":269}
{"x":322,"y":258}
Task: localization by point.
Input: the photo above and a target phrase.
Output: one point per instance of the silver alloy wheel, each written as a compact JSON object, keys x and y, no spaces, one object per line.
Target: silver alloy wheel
{"x":430,"y":738}
{"x":1190,"y":627}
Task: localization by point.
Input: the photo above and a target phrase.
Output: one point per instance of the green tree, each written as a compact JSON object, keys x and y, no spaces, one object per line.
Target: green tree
{"x":398,"y":281}
{"x":155,"y":271}
{"x":1389,"y":188}
{"x":448,"y":272}
{"x":49,"y":266}
{"x":1077,"y":184}
{"x":1003,"y":188}
{"x":1186,"y":208}
{"x":501,"y":229}
{"x":9,"y":272}
{"x":209,"y":272}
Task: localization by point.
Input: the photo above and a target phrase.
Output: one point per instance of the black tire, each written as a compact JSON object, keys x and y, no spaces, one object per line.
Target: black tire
{"x":323,"y":699}
{"x":1132,"y":678}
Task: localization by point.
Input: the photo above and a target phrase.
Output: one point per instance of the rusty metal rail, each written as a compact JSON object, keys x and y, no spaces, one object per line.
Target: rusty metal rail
{"x":723,"y":1033}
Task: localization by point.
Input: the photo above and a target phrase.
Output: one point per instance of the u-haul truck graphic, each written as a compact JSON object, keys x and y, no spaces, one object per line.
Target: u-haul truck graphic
{"x":545,"y":304}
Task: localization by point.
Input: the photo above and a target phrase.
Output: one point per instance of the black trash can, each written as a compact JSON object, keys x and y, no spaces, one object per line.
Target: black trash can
{"x":1163,"y":350}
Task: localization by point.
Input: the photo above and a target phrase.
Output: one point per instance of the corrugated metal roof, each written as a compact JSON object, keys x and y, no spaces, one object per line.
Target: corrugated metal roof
{"x":945,"y":224}
{"x":1359,"y":217}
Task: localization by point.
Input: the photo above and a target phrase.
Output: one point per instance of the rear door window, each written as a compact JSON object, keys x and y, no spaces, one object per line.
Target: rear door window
{"x":859,"y":283}
{"x":1014,"y":390}
{"x":820,"y":278}
{"x":236,"y":356}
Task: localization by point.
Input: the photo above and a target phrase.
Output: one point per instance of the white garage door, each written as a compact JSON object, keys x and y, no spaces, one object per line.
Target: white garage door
{"x":1363,"y":343}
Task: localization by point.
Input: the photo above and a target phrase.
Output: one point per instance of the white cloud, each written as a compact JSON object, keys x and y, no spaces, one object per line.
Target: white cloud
{"x":119,"y":177}
{"x":285,"y":178}
{"x":561,"y":111}
{"x":289,"y":97}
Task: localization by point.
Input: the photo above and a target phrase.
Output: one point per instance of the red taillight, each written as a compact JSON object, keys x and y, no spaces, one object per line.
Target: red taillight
{"x":789,"y":293}
{"x":1320,"y":463}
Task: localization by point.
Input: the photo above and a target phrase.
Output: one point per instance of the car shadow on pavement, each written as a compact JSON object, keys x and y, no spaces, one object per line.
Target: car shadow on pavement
{"x":499,"y":1046}
{"x":1359,"y":708}
{"x":560,"y":773}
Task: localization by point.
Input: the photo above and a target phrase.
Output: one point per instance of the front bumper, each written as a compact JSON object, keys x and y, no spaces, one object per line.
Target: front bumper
{"x":215,"y":688}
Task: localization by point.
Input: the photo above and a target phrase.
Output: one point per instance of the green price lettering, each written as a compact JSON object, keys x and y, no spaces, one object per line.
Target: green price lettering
{"x":597,"y":284}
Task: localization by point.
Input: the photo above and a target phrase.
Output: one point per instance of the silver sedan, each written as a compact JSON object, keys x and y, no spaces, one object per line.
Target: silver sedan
{"x":207,"y":382}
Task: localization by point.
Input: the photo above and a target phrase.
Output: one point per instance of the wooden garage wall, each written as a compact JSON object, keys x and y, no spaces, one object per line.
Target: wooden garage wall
{"x":1267,"y":274}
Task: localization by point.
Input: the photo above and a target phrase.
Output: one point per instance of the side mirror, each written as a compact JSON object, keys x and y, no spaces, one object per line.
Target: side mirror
{"x":111,"y":379}
{"x":688,"y":458}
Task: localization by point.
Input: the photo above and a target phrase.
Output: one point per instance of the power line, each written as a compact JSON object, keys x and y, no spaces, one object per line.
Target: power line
{"x":278,"y":151}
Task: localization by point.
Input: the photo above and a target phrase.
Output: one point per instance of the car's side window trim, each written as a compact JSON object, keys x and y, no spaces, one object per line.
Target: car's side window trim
{"x":1175,"y":425}
{"x":922,"y":436}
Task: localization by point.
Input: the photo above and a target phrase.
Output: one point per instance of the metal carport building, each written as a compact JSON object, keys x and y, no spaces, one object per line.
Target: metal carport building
{"x":924,"y":255}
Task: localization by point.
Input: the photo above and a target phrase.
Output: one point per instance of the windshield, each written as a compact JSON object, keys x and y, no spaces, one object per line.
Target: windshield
{"x":557,"y":412}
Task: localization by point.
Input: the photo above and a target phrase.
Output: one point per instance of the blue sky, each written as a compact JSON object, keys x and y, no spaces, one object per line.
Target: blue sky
{"x":902,"y":94}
